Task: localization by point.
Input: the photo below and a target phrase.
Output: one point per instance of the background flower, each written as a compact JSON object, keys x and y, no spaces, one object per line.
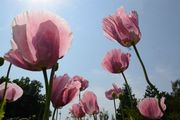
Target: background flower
{"x":113,"y":93}
{"x":64,"y":90}
{"x":89,"y":103}
{"x":115,"y":61}
{"x":13,"y":91}
{"x":77,"y":111}
{"x":84,"y":82}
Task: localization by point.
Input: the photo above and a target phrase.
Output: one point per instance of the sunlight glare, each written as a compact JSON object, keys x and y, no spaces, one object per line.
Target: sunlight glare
{"x":42,"y":1}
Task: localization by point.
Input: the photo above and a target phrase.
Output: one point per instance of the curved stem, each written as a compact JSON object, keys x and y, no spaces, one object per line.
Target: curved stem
{"x":143,"y":67}
{"x":46,"y":110}
{"x":146,"y":76}
{"x":129,"y":92}
{"x":115,"y":108}
{"x":54,"y":113}
{"x":7,"y":79}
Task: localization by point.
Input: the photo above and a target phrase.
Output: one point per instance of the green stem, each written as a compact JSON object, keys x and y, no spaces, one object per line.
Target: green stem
{"x":9,"y":69}
{"x":7,"y":79}
{"x":45,"y":80}
{"x":54,"y":113}
{"x":2,"y":105}
{"x":52,"y":76}
{"x":128,"y":89}
{"x":146,"y":76}
{"x":115,"y":108}
{"x":143,"y":67}
{"x":5,"y":88}
{"x":51,"y":84}
{"x":57,"y":114}
{"x":79,"y":96}
{"x":95,"y":116}
{"x":46,"y":110}
{"x":48,"y":90}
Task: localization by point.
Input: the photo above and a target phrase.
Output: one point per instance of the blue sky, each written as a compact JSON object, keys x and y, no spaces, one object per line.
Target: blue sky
{"x":159,"y":45}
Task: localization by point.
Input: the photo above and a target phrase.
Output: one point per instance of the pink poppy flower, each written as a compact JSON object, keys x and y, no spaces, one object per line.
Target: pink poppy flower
{"x":64,"y":90}
{"x":13,"y":92}
{"x":122,"y":27}
{"x":115,"y":61}
{"x":89,"y":103}
{"x":40,"y":38}
{"x":113,"y":93}
{"x":84,"y":82}
{"x":77,"y":111}
{"x":149,"y":108}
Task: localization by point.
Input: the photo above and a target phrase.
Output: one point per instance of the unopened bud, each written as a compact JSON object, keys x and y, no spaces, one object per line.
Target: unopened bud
{"x":1,"y":61}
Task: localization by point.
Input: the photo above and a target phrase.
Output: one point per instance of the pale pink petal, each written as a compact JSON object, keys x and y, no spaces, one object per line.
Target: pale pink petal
{"x":24,"y":45}
{"x":16,"y":58}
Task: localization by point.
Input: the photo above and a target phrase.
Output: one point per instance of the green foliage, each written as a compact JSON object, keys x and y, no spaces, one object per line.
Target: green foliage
{"x":125,"y":110}
{"x":176,"y":89}
{"x":150,"y":92}
{"x":30,"y":105}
